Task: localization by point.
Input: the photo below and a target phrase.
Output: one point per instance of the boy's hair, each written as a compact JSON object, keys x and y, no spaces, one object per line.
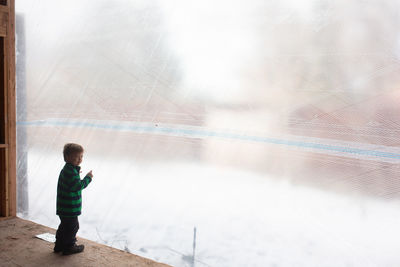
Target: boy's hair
{"x":71,"y":149}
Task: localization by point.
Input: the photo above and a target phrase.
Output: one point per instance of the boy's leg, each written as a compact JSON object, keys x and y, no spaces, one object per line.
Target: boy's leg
{"x":59,"y":244}
{"x":76,"y":228}
{"x":71,"y":228}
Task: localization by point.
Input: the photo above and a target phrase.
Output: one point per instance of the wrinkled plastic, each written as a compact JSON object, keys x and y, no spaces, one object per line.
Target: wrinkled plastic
{"x":220,"y":133}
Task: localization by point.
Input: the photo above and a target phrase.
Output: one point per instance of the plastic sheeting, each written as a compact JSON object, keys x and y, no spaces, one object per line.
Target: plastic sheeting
{"x":220,"y":133}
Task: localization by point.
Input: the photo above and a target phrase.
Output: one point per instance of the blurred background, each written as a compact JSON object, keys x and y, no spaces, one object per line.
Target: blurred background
{"x":220,"y":133}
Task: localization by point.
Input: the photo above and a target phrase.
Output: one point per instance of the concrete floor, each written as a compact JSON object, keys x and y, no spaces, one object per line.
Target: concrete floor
{"x":20,"y":247}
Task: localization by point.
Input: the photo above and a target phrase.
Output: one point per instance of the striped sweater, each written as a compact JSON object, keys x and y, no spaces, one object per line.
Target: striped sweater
{"x":69,"y":191}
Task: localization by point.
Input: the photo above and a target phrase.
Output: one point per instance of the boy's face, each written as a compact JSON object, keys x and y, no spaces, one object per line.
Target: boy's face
{"x":76,"y":159}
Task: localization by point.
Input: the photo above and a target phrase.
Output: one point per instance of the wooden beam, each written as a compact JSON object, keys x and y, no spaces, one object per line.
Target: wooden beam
{"x":8,"y":163}
{"x":4,"y":8}
{"x":12,"y":137}
{"x":3,"y":23}
{"x":7,"y":182}
{"x":3,"y":183}
{"x":4,"y":208}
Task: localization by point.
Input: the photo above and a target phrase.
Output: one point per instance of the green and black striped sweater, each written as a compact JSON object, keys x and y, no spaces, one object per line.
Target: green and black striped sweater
{"x":69,"y":191}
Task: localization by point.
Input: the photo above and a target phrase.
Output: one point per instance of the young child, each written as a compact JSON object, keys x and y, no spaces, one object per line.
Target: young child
{"x":69,"y":199}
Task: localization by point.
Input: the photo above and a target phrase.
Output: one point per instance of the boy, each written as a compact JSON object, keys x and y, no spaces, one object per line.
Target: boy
{"x":69,"y":199}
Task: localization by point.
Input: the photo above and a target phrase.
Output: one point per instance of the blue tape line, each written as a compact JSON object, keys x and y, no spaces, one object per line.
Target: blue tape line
{"x":189,"y":132}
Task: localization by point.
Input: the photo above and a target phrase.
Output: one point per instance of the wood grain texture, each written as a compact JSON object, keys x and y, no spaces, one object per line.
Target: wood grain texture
{"x":3,"y":22}
{"x":11,"y":159}
{"x":3,"y":133}
{"x":8,"y":148}
{"x":19,"y":247}
{"x":3,"y":95}
{"x":3,"y":187}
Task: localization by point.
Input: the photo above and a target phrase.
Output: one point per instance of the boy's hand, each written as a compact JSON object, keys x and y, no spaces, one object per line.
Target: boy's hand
{"x":90,"y":174}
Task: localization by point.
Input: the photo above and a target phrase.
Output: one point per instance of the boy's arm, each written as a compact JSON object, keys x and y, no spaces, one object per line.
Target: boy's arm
{"x":76,"y":184}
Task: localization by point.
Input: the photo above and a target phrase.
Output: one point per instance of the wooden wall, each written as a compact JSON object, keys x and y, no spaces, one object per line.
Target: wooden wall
{"x":8,"y":110}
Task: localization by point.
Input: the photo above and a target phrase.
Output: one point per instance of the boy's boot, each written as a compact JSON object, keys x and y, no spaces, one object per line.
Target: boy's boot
{"x":57,"y":248}
{"x":74,"y":249}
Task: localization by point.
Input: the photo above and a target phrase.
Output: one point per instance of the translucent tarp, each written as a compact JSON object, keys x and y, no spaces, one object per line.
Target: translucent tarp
{"x":220,"y":133}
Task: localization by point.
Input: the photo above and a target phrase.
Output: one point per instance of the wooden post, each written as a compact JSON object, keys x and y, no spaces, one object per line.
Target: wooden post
{"x":12,"y":117}
{"x":3,"y":187}
{"x":8,"y":148}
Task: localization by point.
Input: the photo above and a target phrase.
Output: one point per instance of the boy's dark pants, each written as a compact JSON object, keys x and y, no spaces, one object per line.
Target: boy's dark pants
{"x":66,"y":232}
